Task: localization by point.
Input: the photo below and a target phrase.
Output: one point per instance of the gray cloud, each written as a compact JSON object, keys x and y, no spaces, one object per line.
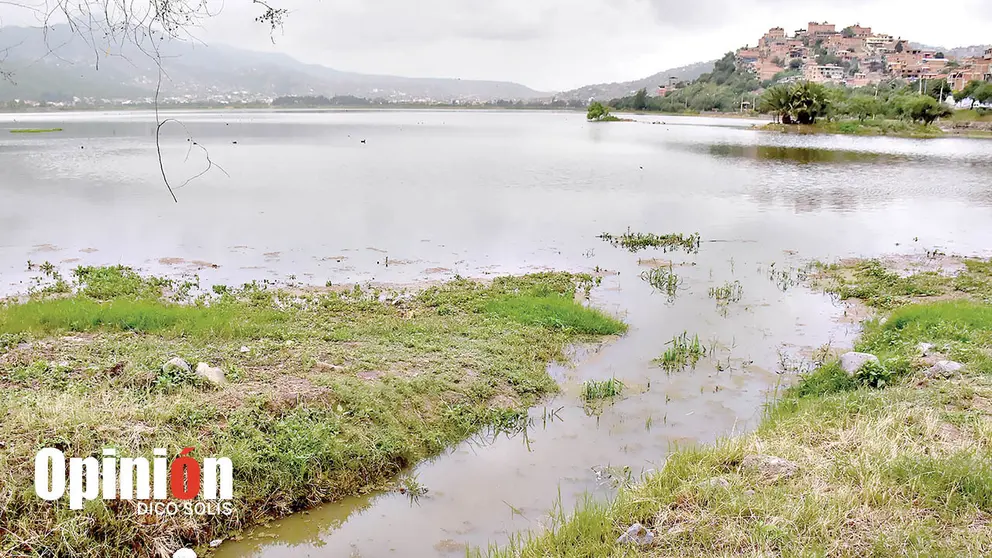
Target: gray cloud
{"x":556,"y":44}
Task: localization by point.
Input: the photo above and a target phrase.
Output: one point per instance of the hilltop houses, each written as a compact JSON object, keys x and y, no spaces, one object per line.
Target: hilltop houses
{"x":853,"y":56}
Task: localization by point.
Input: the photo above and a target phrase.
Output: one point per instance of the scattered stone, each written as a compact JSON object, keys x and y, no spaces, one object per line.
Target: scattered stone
{"x":749,"y":492}
{"x":637,"y":534}
{"x":770,"y":467}
{"x":852,"y":362}
{"x":718,"y":482}
{"x":209,"y":373}
{"x":924,"y":348}
{"x":326,"y":366}
{"x":244,"y":349}
{"x":177,"y":366}
{"x":944,"y":369}
{"x":290,"y":343}
{"x":216,"y":542}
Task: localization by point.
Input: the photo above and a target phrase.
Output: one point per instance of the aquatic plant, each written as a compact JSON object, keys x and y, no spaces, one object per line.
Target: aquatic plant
{"x":681,"y":353}
{"x":663,"y":279}
{"x":593,"y":390}
{"x":635,"y":242}
{"x":725,"y":294}
{"x":35,"y":130}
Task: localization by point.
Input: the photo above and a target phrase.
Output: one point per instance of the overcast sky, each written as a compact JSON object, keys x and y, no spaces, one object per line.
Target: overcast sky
{"x":555,"y":45}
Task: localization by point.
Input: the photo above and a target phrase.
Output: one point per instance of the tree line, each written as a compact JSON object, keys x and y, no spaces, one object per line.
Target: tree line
{"x":729,"y":88}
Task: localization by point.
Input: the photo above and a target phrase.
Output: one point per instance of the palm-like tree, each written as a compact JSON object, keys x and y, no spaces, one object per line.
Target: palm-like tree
{"x":808,"y":101}
{"x":776,"y":101}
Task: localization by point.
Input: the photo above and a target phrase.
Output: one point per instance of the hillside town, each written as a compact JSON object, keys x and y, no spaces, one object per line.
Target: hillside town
{"x":855,"y":56}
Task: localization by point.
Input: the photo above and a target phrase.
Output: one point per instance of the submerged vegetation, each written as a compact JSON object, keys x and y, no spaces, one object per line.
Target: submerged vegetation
{"x":323,"y":394}
{"x":635,"y":242}
{"x":892,"y":460}
{"x":683,"y":352}
{"x":663,"y":279}
{"x":729,"y":292}
{"x":593,"y":390}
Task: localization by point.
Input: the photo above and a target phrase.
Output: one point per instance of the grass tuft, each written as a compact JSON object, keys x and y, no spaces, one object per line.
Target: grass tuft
{"x":682,"y":353}
{"x":593,"y":390}
{"x":635,"y":242}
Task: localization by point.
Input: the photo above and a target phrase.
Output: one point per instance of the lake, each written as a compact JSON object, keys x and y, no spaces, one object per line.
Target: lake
{"x":408,"y":197}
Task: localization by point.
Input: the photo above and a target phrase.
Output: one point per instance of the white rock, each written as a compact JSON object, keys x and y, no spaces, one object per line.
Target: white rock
{"x":216,"y":542}
{"x":944,"y":369}
{"x":852,"y":362}
{"x":176,"y":365}
{"x":770,"y":466}
{"x":211,"y":374}
{"x":184,"y":553}
{"x":637,"y":534}
{"x":244,"y":349}
{"x":716,"y":482}
{"x":924,"y":348}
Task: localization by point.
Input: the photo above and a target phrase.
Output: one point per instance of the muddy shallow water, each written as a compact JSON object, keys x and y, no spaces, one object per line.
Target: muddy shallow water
{"x":482,"y":193}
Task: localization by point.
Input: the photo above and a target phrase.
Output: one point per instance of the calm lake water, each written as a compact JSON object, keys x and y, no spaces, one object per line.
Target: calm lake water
{"x":480,"y":193}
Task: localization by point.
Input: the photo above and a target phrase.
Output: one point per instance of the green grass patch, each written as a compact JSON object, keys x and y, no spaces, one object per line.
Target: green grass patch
{"x":35,"y":130}
{"x":81,"y":314}
{"x":555,"y":312}
{"x":883,"y":288}
{"x":877,"y":127}
{"x":328,"y":394}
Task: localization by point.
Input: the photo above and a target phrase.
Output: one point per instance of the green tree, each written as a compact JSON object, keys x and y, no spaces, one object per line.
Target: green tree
{"x":807,"y":102}
{"x":939,"y":89}
{"x":900,"y":47}
{"x":863,"y":107}
{"x":795,"y":63}
{"x":924,"y":108}
{"x":969,"y":91}
{"x":775,"y":101}
{"x":597,"y":111}
{"x":640,"y":100}
{"x":983,"y":93}
{"x":847,"y":32}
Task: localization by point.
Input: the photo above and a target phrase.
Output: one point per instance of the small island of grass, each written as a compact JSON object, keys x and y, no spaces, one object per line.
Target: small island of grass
{"x":35,"y":130}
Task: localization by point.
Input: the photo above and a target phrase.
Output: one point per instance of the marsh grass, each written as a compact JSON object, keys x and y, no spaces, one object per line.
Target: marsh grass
{"x":664,"y":279}
{"x":635,"y":242}
{"x":882,"y":288}
{"x":338,"y":393}
{"x":900,"y":468}
{"x":35,"y":130}
{"x":593,"y":390}
{"x":683,"y":352}
{"x":726,"y":294}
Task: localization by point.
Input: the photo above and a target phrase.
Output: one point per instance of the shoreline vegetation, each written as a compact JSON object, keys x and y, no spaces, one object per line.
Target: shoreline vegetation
{"x":313,"y":395}
{"x":889,"y":458}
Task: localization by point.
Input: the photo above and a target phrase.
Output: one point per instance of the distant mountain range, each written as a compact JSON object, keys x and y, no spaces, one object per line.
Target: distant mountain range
{"x":956,"y":52}
{"x":58,"y":65}
{"x":607,"y":91}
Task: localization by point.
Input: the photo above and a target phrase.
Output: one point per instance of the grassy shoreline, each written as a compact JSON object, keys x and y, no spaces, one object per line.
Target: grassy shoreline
{"x":891,"y":128}
{"x":327,"y":394}
{"x":891,"y":461}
